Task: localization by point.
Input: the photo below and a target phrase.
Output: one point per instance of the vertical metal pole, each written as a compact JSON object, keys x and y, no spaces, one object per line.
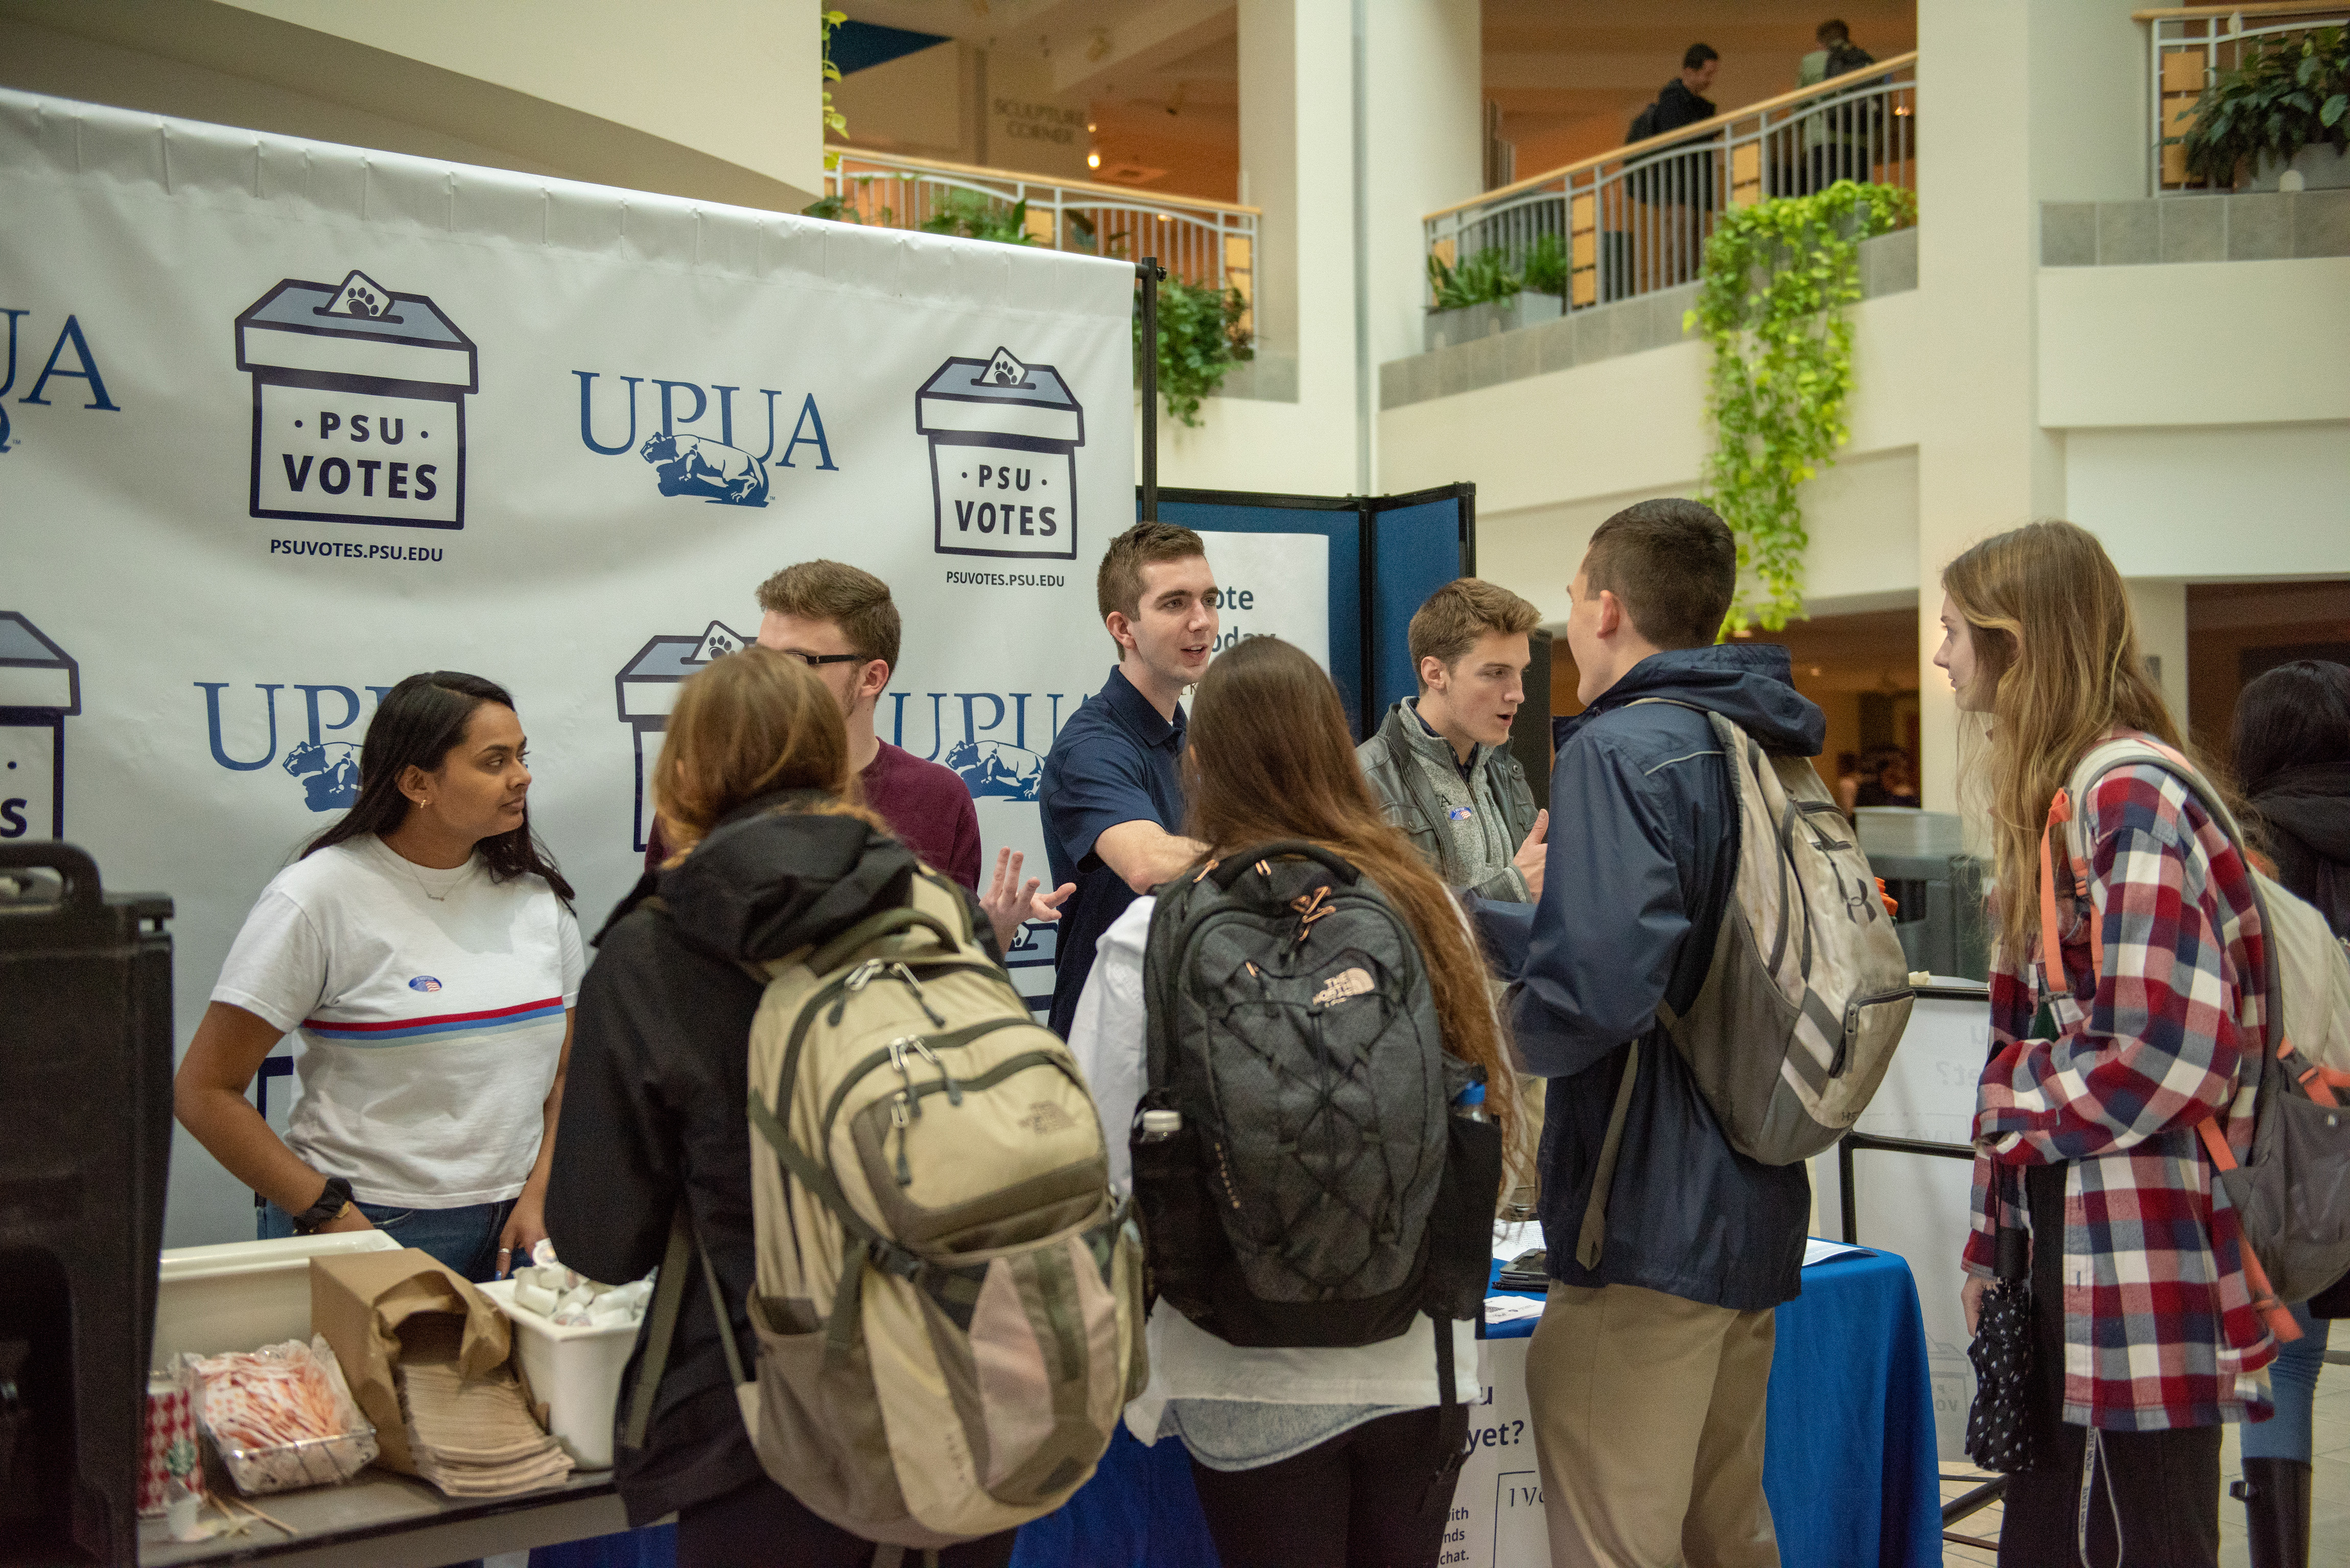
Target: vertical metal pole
{"x":1844,"y":1186}
{"x":1150,"y":272}
{"x":1362,"y":191}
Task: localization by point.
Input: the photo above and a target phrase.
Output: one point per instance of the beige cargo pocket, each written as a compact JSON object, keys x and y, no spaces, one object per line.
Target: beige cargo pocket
{"x":819,"y":1433}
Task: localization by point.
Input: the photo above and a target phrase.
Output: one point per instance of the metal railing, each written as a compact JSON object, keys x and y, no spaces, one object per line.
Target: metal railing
{"x":2187,"y":48}
{"x":1635,"y":220}
{"x":1201,"y":242}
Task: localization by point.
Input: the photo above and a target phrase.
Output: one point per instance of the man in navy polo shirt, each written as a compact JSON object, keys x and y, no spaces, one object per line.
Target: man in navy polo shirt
{"x":1112,"y":791}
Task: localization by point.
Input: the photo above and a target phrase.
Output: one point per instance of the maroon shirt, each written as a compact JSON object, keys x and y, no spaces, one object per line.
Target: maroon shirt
{"x":925,"y":804}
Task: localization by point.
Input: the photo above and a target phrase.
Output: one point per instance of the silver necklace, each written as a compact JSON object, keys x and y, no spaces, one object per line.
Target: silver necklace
{"x":410,"y":865}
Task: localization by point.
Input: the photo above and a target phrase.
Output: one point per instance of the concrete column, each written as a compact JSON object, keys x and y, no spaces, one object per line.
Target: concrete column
{"x":2159,"y":606}
{"x":1427,"y":145}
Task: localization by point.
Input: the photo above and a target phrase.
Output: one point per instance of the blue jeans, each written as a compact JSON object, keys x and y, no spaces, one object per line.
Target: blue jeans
{"x":466,"y":1239}
{"x":2293,"y":1382}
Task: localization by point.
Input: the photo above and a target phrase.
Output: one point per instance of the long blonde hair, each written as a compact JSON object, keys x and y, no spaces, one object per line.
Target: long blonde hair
{"x":751,"y":723}
{"x":1269,"y":757}
{"x":2056,"y":651}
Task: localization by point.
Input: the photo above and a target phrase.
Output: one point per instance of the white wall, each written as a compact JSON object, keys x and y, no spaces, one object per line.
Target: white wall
{"x":576,"y":87}
{"x":2195,"y":343}
{"x":2216,"y":503}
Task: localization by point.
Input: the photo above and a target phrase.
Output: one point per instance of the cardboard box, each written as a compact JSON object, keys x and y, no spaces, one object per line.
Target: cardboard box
{"x":358,"y":1301}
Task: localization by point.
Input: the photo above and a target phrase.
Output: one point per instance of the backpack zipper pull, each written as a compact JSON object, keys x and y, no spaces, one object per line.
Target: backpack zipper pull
{"x":858,"y":979}
{"x":954,"y":1090}
{"x":901,"y":972}
{"x":899,"y":1119}
{"x":897,"y":1059}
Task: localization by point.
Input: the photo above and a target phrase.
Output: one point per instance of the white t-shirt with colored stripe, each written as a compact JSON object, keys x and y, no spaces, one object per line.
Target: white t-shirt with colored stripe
{"x":427,"y":1010}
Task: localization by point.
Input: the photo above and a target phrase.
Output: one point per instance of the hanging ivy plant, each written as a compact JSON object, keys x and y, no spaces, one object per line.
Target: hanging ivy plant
{"x":835,"y":122}
{"x":1200,"y":339}
{"x":1772,"y":300}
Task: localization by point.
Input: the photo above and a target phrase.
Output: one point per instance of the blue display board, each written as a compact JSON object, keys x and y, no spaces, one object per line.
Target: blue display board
{"x":1388,"y":553}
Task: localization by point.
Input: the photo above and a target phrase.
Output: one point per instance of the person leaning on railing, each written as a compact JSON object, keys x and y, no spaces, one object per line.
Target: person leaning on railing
{"x":1835,"y":140}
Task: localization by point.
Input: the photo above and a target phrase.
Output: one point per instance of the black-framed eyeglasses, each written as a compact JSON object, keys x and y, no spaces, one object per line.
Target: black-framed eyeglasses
{"x":814,"y":660}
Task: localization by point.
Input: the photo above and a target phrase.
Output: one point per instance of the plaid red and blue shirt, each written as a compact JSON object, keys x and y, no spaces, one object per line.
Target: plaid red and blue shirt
{"x":2159,"y":1330}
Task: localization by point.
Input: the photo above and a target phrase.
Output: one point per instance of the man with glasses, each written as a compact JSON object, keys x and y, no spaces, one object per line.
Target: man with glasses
{"x":841,"y":622}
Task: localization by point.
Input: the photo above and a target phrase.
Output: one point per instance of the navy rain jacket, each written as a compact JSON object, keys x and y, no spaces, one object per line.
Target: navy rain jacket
{"x":1643,"y":851}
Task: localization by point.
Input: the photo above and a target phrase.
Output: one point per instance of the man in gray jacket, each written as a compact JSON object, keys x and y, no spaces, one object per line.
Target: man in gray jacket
{"x":1441,"y":764}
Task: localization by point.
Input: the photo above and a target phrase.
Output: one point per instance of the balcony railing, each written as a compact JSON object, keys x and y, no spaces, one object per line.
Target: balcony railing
{"x":1205,"y":244}
{"x":1635,"y":220}
{"x":2189,"y":46}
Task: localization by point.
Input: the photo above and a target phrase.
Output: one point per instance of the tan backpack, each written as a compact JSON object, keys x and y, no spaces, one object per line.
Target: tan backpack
{"x":949,"y":1308}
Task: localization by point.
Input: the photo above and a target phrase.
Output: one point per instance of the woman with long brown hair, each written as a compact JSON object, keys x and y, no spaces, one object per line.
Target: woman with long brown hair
{"x":1302,"y":1457}
{"x":756,"y":792}
{"x":2106,"y":1056}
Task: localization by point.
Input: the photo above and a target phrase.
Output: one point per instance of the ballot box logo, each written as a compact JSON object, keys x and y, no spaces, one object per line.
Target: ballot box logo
{"x":645,"y":690}
{"x":358,"y":404}
{"x":1003,"y":439}
{"x":40,"y":688}
{"x":705,"y":464}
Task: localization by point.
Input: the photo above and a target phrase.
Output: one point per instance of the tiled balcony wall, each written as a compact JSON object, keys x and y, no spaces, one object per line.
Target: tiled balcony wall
{"x":2251,"y":227}
{"x":1888,"y":264}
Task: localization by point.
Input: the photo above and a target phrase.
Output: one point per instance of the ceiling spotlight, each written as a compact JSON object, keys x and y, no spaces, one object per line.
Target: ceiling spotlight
{"x":1093,"y":159}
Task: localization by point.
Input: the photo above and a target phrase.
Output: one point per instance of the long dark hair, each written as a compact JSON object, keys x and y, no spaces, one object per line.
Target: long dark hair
{"x":416,"y":725}
{"x":1269,"y":757}
{"x":2294,"y":716}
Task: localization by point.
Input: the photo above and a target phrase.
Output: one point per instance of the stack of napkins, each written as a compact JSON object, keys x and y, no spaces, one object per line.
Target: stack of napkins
{"x":470,"y":1438}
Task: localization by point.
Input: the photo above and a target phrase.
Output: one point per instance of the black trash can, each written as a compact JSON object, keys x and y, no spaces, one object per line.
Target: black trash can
{"x":85,"y":1074}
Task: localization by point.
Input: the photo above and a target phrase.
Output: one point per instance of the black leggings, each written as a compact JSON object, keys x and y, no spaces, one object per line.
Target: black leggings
{"x":760,"y":1525}
{"x":1360,"y":1501}
{"x":2165,"y":1485}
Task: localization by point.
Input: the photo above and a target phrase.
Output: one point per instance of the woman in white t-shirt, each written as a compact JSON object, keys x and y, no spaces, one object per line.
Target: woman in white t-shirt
{"x":1304,"y":1458}
{"x":422,"y":951}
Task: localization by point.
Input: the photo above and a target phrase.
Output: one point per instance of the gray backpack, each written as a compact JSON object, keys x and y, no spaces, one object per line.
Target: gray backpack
{"x":2291,"y":1196}
{"x":1807,"y":991}
{"x":1317,"y":1191}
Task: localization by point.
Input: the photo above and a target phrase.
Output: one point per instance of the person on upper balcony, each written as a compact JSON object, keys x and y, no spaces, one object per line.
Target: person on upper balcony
{"x":1835,"y":142}
{"x":1682,"y":100}
{"x":1676,"y":185}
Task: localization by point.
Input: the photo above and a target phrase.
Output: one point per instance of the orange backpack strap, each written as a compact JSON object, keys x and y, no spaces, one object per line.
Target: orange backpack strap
{"x":2256,"y":1279}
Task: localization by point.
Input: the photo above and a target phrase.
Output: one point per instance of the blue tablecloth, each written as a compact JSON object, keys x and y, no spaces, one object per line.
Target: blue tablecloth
{"x":1850,"y":1467}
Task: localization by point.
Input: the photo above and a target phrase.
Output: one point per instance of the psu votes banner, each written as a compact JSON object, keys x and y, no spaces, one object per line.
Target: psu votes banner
{"x":282,"y":423}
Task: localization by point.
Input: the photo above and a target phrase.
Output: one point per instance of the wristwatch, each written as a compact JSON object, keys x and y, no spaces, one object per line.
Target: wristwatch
{"x":327,"y":1210}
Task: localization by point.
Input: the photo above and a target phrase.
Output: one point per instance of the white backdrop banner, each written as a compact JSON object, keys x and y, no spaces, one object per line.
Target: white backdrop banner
{"x":282,"y":423}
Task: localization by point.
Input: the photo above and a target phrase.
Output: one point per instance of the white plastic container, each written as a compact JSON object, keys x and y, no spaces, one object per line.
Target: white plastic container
{"x":576,"y":1372}
{"x":243,"y":1294}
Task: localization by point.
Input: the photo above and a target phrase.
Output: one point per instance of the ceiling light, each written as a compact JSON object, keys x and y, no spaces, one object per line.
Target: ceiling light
{"x":1093,"y":159}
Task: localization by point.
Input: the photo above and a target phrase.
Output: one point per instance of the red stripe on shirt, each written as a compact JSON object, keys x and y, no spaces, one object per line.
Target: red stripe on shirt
{"x":438,"y":1017}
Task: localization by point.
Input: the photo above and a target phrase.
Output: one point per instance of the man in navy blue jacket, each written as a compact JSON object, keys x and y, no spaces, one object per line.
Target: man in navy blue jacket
{"x":1647,"y":1373}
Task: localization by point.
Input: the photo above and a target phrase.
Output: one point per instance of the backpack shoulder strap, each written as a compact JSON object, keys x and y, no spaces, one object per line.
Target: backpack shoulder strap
{"x":660,"y":1324}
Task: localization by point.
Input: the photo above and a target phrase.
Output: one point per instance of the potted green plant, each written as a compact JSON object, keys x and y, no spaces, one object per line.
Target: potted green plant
{"x":2281,"y":110}
{"x":1486,"y":294}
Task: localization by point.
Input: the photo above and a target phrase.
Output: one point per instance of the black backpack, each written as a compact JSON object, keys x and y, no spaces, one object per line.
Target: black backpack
{"x":1318,"y":1191}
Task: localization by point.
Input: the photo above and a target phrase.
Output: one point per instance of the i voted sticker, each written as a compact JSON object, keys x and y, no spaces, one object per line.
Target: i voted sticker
{"x":1461,"y":814}
{"x":424,"y":983}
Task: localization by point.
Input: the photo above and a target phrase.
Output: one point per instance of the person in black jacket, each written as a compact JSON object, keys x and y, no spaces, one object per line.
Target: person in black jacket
{"x":2293,"y":755}
{"x":1648,"y":1371}
{"x":1675,"y":187}
{"x":752,"y":781}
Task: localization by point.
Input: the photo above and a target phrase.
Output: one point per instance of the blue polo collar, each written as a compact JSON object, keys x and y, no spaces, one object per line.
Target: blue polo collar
{"x":1134,"y":712}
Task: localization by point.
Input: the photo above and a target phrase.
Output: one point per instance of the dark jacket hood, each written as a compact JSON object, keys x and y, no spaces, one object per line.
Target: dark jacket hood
{"x":1749,"y":684}
{"x":2313,"y":804}
{"x":767,"y":881}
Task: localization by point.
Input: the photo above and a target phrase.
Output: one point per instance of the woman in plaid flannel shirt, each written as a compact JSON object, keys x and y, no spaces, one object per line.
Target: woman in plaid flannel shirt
{"x":2145,"y":1335}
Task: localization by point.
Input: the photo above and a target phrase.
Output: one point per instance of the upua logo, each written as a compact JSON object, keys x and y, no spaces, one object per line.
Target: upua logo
{"x":358,"y":404}
{"x":326,"y":769}
{"x":1004,"y":466}
{"x":995,"y":740}
{"x":706,"y":462}
{"x":82,"y":365}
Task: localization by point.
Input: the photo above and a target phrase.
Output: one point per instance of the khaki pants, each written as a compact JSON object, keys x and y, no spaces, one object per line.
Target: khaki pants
{"x":1649,"y":1428}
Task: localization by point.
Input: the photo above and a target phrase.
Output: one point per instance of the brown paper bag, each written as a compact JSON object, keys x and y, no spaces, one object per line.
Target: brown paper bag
{"x":358,"y":1300}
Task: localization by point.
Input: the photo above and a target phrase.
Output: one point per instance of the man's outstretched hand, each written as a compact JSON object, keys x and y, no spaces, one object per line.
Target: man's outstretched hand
{"x":1531,"y":854}
{"x":1011,"y":905}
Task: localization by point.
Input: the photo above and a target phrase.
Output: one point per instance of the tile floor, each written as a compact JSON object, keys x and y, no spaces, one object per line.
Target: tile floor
{"x":2329,"y":1514}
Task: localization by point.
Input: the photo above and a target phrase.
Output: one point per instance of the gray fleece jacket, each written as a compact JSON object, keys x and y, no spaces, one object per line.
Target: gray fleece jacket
{"x":1467,"y":829}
